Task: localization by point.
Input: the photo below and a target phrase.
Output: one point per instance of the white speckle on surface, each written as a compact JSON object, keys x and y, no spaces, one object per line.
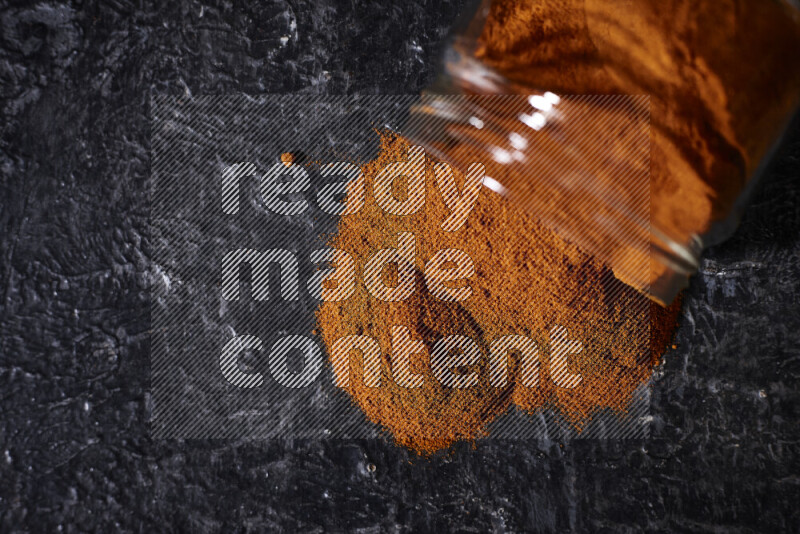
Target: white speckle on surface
{"x":7,"y":456}
{"x":164,"y":278}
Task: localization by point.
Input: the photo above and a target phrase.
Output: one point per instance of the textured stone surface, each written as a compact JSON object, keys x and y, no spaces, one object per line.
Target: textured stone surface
{"x":74,"y":450}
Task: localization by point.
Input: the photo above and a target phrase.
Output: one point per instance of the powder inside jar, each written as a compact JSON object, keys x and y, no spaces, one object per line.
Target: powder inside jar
{"x":723,"y":78}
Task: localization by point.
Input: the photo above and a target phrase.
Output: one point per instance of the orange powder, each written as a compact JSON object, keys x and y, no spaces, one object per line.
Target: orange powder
{"x":722,"y":76}
{"x":527,"y":281}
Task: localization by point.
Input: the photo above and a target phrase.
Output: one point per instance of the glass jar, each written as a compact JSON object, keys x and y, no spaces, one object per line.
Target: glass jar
{"x":682,"y":105}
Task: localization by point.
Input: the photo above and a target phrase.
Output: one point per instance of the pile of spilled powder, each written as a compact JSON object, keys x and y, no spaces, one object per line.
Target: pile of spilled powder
{"x":527,"y":281}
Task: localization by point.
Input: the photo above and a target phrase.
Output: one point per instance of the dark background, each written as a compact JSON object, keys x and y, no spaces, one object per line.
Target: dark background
{"x":75,"y":81}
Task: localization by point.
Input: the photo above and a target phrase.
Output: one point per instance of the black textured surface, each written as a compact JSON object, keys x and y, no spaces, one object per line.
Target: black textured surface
{"x":74,"y":451}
